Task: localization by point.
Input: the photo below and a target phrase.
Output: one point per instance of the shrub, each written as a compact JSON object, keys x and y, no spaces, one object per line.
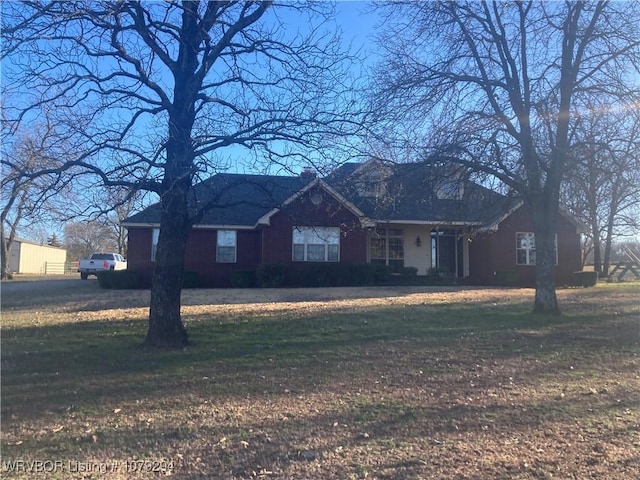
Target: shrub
{"x":584,"y":279}
{"x":243,"y":278}
{"x":506,"y":278}
{"x":320,"y":274}
{"x":190,"y":280}
{"x":409,"y":272}
{"x":381,"y":273}
{"x":119,"y":279}
{"x":271,"y":275}
{"x":104,"y":278}
{"x":362,"y":274}
{"x":312,"y":274}
{"x":438,"y":273}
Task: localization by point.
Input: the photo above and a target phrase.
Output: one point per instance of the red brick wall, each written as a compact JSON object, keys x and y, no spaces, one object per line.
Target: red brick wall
{"x":271,"y":243}
{"x":139,"y":253}
{"x":277,"y":237}
{"x":493,"y":252}
{"x":201,"y":256}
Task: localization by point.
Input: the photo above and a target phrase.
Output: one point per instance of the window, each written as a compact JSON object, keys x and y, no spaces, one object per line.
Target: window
{"x":386,"y":247}
{"x":155,"y":233}
{"x":316,"y":244}
{"x":372,"y":183}
{"x":226,"y":246}
{"x":526,"y":248}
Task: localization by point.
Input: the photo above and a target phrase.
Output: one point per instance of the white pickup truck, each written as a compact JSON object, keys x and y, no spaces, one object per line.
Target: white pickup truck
{"x":99,"y":262}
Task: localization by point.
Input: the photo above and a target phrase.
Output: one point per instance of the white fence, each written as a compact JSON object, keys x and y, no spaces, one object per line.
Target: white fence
{"x":60,"y":268}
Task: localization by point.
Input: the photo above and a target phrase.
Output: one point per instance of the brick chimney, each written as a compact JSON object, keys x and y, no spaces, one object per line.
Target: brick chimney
{"x":307,"y":172}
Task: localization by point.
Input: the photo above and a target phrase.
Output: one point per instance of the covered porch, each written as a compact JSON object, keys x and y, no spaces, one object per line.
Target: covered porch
{"x":430,"y":248}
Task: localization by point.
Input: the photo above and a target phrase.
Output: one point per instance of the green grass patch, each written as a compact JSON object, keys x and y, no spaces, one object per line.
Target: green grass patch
{"x":400,"y":390}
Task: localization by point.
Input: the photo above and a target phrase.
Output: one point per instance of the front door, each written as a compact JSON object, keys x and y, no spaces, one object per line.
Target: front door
{"x":446,"y":252}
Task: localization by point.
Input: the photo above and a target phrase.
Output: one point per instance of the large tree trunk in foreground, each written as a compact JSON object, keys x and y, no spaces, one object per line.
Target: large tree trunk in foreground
{"x":546,"y":300}
{"x":545,"y":212}
{"x":166,"y":329}
{"x":165,"y":325}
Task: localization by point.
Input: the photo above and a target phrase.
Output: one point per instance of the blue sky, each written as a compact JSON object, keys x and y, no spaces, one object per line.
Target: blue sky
{"x":357,"y":24}
{"x":357,"y":28}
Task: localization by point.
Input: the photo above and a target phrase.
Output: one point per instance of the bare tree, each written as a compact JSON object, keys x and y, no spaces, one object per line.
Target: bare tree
{"x":604,"y":189}
{"x":496,"y":86}
{"x":30,"y":184}
{"x":155,"y":95}
{"x":83,"y":238}
{"x":108,"y":208}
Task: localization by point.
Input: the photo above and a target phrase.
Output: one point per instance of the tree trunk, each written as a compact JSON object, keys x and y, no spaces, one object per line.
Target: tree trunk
{"x":597,"y":250}
{"x":613,"y":209}
{"x":546,"y":301}
{"x":166,"y":329}
{"x":607,"y":249}
{"x":5,"y":272}
{"x":545,"y":220}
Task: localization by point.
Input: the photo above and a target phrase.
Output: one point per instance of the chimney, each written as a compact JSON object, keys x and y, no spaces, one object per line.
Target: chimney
{"x":307,"y":172}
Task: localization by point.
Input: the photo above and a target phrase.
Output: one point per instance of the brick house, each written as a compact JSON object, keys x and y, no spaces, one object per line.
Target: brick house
{"x":428,"y":217}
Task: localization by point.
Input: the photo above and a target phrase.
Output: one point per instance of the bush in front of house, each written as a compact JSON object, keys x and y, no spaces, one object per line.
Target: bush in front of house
{"x":584,"y":279}
{"x":409,"y":272}
{"x":119,"y":279}
{"x":438,"y":273}
{"x":506,"y":278}
{"x":190,"y":280}
{"x":243,"y":279}
{"x":319,"y":274}
{"x":131,"y":280}
{"x":271,"y":275}
{"x":330,"y":275}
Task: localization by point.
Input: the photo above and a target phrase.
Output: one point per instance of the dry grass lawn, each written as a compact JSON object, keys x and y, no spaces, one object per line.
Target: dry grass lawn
{"x":371,"y":383}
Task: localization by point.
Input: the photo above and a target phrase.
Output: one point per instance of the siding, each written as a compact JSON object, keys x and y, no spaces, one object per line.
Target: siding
{"x":494,"y":253}
{"x":201,"y":256}
{"x":25,"y":257}
{"x":277,"y":237}
{"x":139,"y":253}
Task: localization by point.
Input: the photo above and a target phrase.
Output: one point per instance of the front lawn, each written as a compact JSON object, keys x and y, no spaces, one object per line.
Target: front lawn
{"x":421,"y":383}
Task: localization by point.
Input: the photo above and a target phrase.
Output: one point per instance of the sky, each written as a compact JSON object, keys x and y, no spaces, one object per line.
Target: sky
{"x":358,"y":24}
{"x":357,"y":27}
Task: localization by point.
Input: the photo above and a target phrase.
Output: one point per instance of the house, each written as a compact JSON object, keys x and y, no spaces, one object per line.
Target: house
{"x":29,"y":257}
{"x":427,"y":216}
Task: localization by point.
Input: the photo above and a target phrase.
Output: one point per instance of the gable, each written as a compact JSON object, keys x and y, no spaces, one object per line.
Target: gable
{"x":516,"y":208}
{"x":313,"y":194}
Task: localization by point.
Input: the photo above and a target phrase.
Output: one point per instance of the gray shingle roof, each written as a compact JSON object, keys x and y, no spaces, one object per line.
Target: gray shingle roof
{"x":417,"y":192}
{"x":408,"y":192}
{"x":235,"y":199}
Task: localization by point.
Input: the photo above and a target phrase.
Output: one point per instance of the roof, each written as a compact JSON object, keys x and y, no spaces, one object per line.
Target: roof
{"x":232,"y":199}
{"x":418,"y":193}
{"x":374,"y":191}
{"x":36,"y":244}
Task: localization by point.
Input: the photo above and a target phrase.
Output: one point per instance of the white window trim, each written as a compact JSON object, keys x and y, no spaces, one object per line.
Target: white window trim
{"x":528,"y":250}
{"x":315,"y":236}
{"x":224,"y":235}
{"x":155,"y":234}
